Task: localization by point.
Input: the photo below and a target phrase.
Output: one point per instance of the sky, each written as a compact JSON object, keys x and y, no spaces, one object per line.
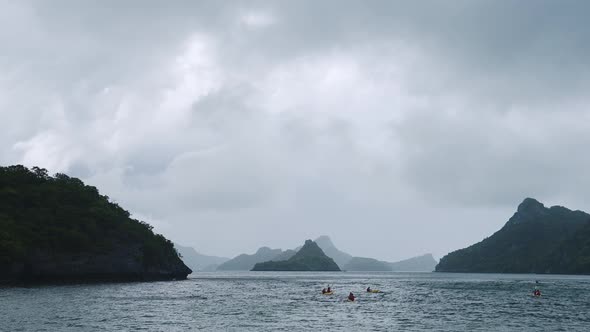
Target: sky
{"x":397,"y":128}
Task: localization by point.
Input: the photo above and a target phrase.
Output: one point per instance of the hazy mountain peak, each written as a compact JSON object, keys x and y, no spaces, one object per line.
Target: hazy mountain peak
{"x":528,"y":210}
{"x":263,"y":250}
{"x":340,"y":257}
{"x":530,"y":204}
{"x":197,"y":261}
{"x":246,"y":262}
{"x":532,"y":210}
{"x":310,"y":248}
{"x":424,"y":262}
{"x":324,"y":241}
{"x":535,"y":240}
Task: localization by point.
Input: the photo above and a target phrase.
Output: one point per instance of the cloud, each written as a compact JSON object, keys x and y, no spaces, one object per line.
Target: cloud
{"x":270,"y":122}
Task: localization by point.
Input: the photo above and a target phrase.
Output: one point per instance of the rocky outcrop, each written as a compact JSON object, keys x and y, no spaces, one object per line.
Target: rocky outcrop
{"x":309,"y":258}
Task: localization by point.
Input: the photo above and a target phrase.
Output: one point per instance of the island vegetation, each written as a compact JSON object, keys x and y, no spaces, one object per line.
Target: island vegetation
{"x":55,"y":228}
{"x":309,"y":258}
{"x":536,"y":239}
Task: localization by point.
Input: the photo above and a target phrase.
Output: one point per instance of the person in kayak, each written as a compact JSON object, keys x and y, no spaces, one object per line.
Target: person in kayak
{"x":369,"y":289}
{"x":351,"y":297}
{"x":537,"y":291}
{"x":324,"y":291}
{"x":329,"y":290}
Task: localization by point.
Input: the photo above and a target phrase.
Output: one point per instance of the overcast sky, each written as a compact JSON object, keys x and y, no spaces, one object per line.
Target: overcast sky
{"x":396,"y":127}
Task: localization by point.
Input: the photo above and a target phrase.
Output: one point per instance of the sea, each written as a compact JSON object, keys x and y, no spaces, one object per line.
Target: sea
{"x":288,"y":301}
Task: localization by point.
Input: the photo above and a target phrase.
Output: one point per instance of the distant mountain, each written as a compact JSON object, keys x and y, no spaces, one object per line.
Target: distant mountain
{"x":424,"y":263}
{"x":366,"y":264}
{"x":535,"y":239}
{"x":309,"y":258}
{"x":246,"y":262}
{"x":197,"y":261}
{"x":341,"y":258}
{"x":285,"y":255}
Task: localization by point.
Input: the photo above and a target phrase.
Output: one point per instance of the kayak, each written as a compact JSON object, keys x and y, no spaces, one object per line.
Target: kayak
{"x":329,"y":293}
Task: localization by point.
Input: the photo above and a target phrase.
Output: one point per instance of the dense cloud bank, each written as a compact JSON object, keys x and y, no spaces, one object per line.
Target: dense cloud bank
{"x":218,"y":119}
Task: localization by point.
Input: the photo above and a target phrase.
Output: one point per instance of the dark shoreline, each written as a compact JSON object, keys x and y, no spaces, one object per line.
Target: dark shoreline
{"x":84,"y":280}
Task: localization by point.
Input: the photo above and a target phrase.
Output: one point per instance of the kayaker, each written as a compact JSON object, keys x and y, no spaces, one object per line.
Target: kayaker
{"x":350,"y":297}
{"x":369,"y":289}
{"x":537,"y":291}
{"x":329,"y":290}
{"x":324,"y":291}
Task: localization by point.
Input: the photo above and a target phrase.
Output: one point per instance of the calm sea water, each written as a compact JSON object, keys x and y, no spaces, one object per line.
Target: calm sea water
{"x":292,"y":302}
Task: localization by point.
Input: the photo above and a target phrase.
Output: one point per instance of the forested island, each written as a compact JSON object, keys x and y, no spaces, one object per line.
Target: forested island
{"x":56,"y":229}
{"x":309,"y":258}
{"x":536,"y":239}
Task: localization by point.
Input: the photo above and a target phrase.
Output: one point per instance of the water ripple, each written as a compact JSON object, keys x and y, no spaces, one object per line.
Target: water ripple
{"x":291,"y":301}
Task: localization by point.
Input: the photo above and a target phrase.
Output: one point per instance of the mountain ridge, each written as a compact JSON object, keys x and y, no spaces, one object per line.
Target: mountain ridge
{"x":197,"y":261}
{"x":422,"y":263}
{"x":536,"y":239}
{"x":245,"y":262}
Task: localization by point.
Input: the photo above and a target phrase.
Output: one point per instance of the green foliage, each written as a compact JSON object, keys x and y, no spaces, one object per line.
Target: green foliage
{"x":309,"y":258}
{"x":61,"y":214}
{"x":539,"y":240}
